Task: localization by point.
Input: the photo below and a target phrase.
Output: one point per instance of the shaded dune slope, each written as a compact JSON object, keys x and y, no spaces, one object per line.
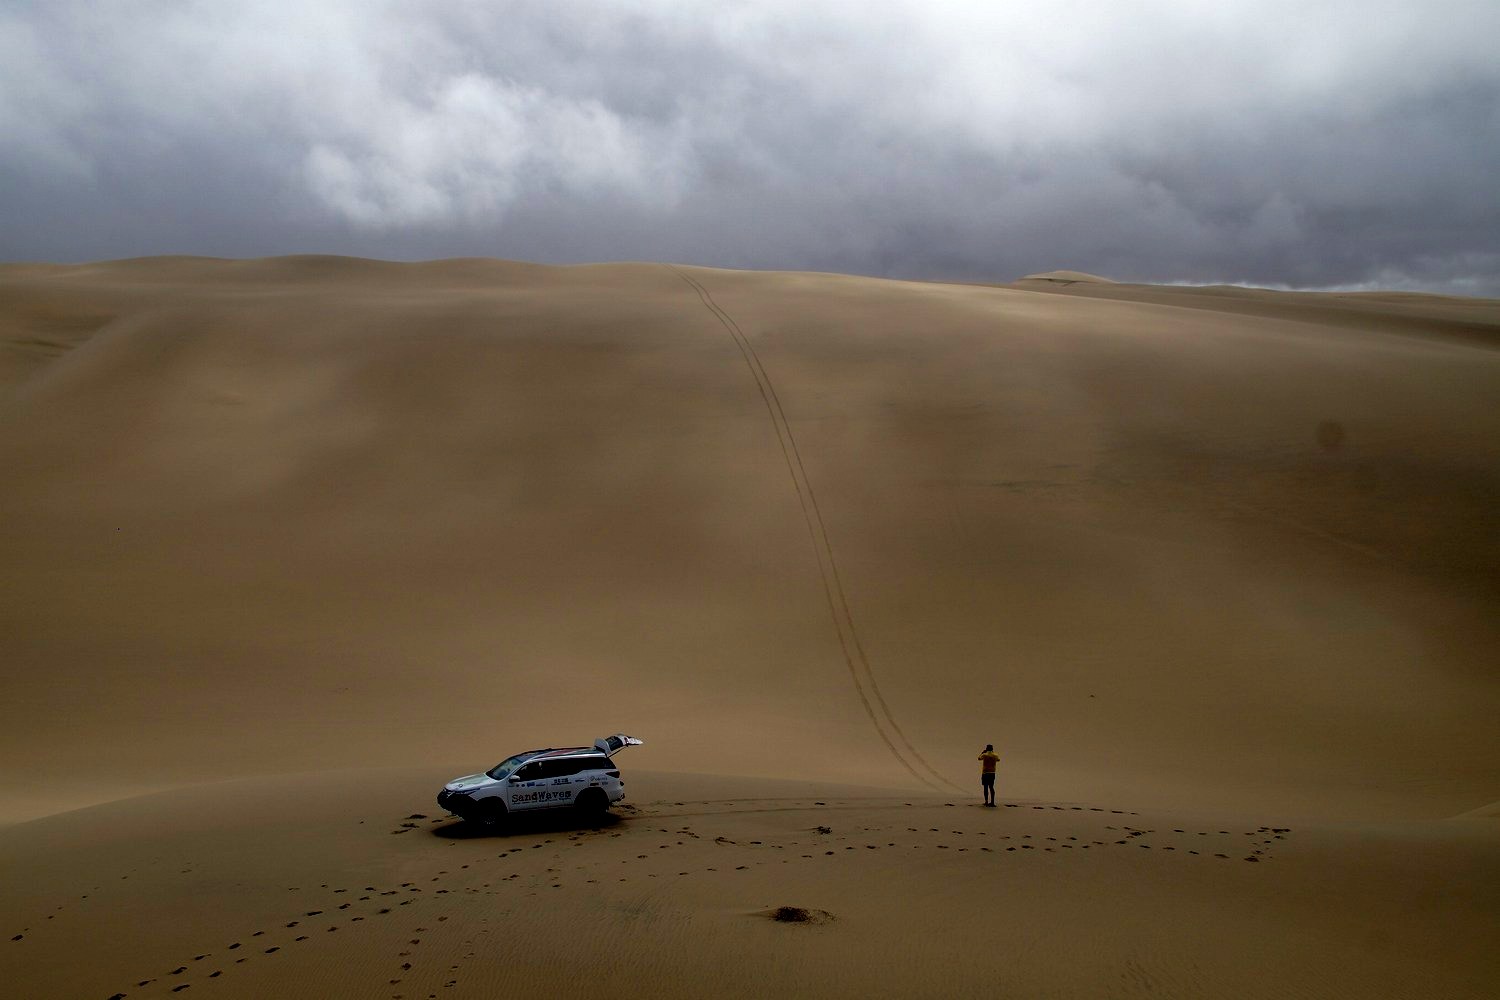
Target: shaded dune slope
{"x":1231,"y":548}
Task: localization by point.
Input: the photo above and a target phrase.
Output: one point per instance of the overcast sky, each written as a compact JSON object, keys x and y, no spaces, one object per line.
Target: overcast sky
{"x":1305,"y":143}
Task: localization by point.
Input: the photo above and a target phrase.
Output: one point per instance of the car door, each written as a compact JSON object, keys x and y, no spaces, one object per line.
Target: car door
{"x":568,"y":780}
{"x":524,"y":788}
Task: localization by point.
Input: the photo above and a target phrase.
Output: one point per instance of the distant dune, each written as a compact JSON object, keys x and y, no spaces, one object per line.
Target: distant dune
{"x":1200,"y":562}
{"x":1068,"y":277}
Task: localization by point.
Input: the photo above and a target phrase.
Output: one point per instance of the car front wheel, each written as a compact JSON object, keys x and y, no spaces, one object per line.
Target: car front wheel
{"x":490,"y":814}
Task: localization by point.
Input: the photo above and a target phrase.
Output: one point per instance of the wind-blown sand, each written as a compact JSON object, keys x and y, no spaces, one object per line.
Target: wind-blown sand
{"x":287,"y":543}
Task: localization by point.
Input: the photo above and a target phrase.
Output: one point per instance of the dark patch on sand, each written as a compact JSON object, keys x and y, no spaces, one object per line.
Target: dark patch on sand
{"x":798,"y":915}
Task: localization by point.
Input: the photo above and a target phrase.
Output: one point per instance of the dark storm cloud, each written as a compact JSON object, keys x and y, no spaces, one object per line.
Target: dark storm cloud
{"x":1310,"y":144}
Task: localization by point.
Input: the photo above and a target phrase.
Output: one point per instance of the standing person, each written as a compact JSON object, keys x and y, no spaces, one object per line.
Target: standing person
{"x":987,"y":762}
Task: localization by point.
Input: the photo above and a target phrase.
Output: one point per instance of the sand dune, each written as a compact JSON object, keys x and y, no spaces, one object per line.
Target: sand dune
{"x":1065,"y":278}
{"x":1221,"y":558}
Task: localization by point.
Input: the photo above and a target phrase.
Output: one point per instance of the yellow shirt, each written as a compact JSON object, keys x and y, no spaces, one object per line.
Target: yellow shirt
{"x":989,"y":758}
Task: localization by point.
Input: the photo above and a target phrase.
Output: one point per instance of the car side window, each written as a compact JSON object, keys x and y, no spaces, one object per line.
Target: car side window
{"x":561,"y":767}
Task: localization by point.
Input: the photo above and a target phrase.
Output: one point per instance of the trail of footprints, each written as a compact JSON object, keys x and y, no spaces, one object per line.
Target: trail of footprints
{"x":342,"y":907}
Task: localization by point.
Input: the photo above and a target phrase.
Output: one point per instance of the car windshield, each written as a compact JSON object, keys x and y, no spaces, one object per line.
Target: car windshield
{"x":506,"y":766}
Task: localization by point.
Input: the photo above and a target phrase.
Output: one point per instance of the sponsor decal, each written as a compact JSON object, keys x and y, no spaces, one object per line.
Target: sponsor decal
{"x":541,"y":795}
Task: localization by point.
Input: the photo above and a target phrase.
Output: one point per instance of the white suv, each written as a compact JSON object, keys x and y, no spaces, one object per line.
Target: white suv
{"x":582,"y":778}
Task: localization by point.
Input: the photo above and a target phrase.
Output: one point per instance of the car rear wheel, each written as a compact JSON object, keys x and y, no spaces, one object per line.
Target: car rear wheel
{"x":592,"y":803}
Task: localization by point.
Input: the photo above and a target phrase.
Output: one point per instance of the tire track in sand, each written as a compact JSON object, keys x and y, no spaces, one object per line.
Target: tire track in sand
{"x":855,"y":659}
